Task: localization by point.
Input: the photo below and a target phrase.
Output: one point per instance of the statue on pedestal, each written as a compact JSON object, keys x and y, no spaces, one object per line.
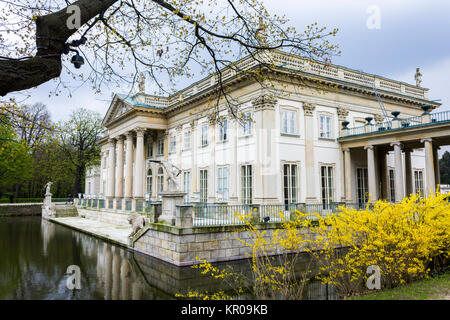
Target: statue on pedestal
{"x":172,"y":173}
{"x":47,"y":188}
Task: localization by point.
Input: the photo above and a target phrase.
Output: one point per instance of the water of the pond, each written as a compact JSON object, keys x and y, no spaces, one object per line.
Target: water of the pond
{"x":35,"y":255}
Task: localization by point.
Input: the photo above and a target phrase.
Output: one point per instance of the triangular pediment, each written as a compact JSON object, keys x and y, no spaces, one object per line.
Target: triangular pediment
{"x":117,"y":108}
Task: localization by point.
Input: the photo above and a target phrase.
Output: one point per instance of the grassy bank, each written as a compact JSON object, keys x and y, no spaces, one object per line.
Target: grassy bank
{"x":436,"y":288}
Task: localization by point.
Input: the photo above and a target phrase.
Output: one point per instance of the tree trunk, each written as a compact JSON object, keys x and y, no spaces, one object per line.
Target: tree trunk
{"x":51,"y":35}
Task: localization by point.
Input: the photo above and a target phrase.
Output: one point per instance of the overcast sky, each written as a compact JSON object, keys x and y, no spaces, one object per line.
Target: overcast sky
{"x":412,"y":33}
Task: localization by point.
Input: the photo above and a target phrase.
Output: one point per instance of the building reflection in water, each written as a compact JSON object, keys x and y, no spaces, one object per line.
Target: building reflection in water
{"x":111,"y":272}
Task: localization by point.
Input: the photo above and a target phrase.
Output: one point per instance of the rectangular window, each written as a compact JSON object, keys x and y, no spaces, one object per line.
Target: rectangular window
{"x":204,"y":186}
{"x":362,"y":186}
{"x":222,"y":185}
{"x":223,"y":127}
{"x":187,"y":186}
{"x":173,"y":144}
{"x":149,"y":150}
{"x":160,"y":147}
{"x":325,"y":126}
{"x":149,"y":182}
{"x":290,"y":185}
{"x":246,"y":184}
{"x":160,"y":180}
{"x":187,"y":140}
{"x":204,"y":141}
{"x":247,"y":124}
{"x":418,"y":182}
{"x":392,"y":185}
{"x":327,"y":185}
{"x":289,"y":122}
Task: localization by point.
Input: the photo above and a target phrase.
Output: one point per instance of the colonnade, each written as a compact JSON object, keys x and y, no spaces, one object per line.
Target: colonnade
{"x":377,"y":170}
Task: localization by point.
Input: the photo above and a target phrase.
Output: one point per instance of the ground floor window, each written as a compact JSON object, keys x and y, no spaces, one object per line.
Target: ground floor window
{"x":149,"y":181}
{"x":362,"y":185}
{"x":392,"y":185}
{"x":204,"y":186}
{"x":418,"y":182}
{"x":290,"y":185}
{"x":187,"y":186}
{"x":160,"y":179}
{"x":246,"y":184}
{"x":222,"y":183}
{"x":327,"y":185}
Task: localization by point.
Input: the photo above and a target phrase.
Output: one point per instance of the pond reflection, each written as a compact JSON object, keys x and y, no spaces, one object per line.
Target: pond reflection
{"x":35,"y":255}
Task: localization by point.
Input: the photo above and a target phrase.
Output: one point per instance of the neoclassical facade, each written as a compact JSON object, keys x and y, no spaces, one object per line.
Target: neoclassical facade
{"x":290,"y":148}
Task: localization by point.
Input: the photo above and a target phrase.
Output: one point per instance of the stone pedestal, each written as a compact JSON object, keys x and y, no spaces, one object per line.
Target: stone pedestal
{"x":170,"y":201}
{"x":48,"y":210}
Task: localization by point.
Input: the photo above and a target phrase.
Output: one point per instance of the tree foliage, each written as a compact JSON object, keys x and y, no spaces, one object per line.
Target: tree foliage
{"x":165,"y":39}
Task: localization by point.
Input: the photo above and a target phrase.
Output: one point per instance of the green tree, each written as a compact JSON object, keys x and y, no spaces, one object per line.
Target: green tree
{"x":444,"y":168}
{"x":15,"y":160}
{"x":78,"y":144}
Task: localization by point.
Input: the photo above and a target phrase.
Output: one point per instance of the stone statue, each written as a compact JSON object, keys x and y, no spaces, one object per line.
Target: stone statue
{"x":418,"y":77}
{"x":137,"y":222}
{"x":142,"y":83}
{"x":47,"y":187}
{"x":172,"y":173}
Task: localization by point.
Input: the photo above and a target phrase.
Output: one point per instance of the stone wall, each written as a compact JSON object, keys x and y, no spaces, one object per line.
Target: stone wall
{"x":20,"y":209}
{"x":105,"y":215}
{"x":182,"y":246}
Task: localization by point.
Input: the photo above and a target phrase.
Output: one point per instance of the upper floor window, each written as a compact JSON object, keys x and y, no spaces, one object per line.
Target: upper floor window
{"x":222,"y":188}
{"x":247,"y":124}
{"x":172,"y":144}
{"x":223,"y":128}
{"x":289,"y":122}
{"x":160,"y":147}
{"x":187,"y":140}
{"x":325,"y":126}
{"x":149,"y":151}
{"x":204,"y":141}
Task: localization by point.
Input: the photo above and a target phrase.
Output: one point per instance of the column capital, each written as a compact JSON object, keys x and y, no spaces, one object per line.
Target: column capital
{"x":342,"y":113}
{"x":129,"y":135}
{"x":346,"y":149}
{"x":264,"y":101}
{"x":369,"y":147}
{"x":308,"y":108}
{"x":193,"y":123}
{"x":112,"y":141}
{"x":140,"y":132}
{"x":398,"y":144}
{"x":120,"y":138}
{"x":426,"y":140}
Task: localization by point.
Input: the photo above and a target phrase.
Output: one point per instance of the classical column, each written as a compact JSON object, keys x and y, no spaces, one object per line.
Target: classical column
{"x":119,"y":176}
{"x":129,"y":166}
{"x":408,"y":173}
{"x":348,"y":176}
{"x":309,"y":153}
{"x":371,"y":171}
{"x":430,"y":185}
{"x":399,"y":188}
{"x":212,"y":196}
{"x":267,"y":164}
{"x":111,"y":168}
{"x":139,"y":164}
{"x":194,"y":155}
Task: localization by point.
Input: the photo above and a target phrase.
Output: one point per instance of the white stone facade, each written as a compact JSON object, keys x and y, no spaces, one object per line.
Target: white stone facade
{"x":289,"y":152}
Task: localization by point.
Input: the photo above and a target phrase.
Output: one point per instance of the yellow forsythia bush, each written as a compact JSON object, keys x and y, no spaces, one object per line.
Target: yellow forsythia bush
{"x":402,"y":239}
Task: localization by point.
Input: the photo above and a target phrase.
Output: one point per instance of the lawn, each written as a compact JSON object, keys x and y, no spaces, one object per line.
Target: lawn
{"x":436,"y":288}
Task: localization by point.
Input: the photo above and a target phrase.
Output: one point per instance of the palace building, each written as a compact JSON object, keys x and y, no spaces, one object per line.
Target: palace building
{"x":320,"y":134}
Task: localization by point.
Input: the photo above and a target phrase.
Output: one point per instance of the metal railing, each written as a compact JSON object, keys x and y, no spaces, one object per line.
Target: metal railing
{"x":410,"y":122}
{"x":219,"y":215}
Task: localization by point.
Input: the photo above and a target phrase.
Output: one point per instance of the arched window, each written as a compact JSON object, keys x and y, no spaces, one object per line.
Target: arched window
{"x":160,"y":179}
{"x":149,"y":181}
